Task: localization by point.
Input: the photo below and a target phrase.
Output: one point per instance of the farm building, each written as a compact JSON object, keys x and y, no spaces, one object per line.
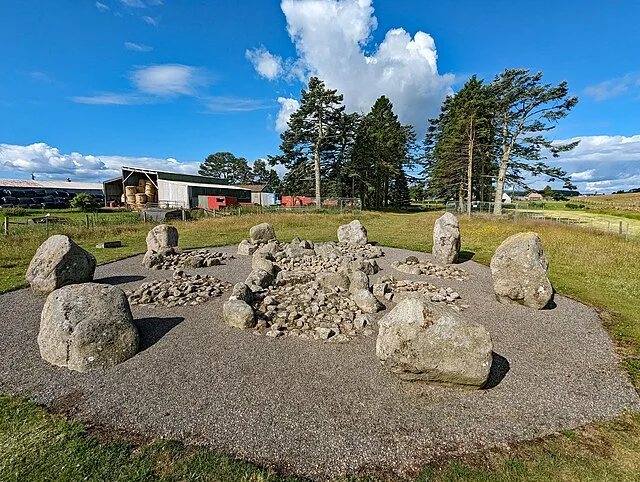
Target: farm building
{"x":261,"y":194}
{"x":535,"y":196}
{"x":140,"y":186}
{"x":48,"y":194}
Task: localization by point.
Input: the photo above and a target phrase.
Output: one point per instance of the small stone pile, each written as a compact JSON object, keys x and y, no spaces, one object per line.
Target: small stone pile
{"x":397,"y":290}
{"x":199,"y":258}
{"x":411,"y":265}
{"x":182,"y":289}
{"x":310,"y":311}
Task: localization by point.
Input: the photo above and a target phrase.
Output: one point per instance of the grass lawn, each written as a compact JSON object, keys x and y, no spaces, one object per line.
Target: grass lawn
{"x":593,"y":267}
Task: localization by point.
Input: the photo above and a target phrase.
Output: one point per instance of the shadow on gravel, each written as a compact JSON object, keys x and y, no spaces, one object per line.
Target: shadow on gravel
{"x":119,"y":280}
{"x":153,"y":329}
{"x":499,"y":368}
{"x":465,"y":256}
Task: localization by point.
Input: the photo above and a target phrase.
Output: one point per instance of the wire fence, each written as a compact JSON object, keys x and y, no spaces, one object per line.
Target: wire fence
{"x":520,"y":211}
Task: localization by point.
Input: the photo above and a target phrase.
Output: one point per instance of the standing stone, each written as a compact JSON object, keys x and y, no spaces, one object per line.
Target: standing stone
{"x":162,"y":237}
{"x":446,"y":239}
{"x":239,"y":314}
{"x":519,"y":271}
{"x":262,"y":233}
{"x":421,"y":341}
{"x":87,"y":327}
{"x":59,"y":262}
{"x":353,"y":233}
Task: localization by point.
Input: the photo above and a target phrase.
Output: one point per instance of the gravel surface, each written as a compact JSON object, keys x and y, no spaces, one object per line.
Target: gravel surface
{"x":323,"y":409}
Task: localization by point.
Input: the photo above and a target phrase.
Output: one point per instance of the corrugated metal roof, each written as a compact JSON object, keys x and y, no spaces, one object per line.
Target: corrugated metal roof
{"x":62,"y":185}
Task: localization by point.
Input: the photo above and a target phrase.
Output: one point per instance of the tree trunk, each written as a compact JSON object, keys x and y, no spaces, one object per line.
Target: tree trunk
{"x":316,"y":159}
{"x":497,"y":206}
{"x":460,"y":208}
{"x":470,"y":167}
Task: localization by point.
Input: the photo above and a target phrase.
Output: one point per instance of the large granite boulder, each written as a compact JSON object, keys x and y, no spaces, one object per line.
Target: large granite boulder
{"x":519,"y":271}
{"x":353,"y":233}
{"x":422,"y":341}
{"x":162,"y":238}
{"x":262,"y":233}
{"x":87,"y":327}
{"x":366,"y":301}
{"x":446,"y":239}
{"x":59,"y":262}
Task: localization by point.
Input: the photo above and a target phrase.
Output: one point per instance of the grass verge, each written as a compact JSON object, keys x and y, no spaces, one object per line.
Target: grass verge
{"x":592,"y":267}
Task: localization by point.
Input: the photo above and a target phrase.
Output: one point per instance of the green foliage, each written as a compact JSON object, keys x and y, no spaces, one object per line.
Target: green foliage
{"x":224,"y":165}
{"x":15,"y":211}
{"x":547,"y":192}
{"x":85,"y":202}
{"x":262,"y":175}
{"x":574,"y":206}
{"x":381,"y":150}
{"x":525,"y":110}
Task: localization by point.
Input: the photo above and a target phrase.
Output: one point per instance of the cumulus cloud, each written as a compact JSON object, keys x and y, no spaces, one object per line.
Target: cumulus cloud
{"x":102,"y":7}
{"x":50,"y":164}
{"x":583,"y":175}
{"x":266,"y":64}
{"x":614,"y":87}
{"x":333,"y":40}
{"x":137,"y":47}
{"x":168,"y":79}
{"x":287,"y":107}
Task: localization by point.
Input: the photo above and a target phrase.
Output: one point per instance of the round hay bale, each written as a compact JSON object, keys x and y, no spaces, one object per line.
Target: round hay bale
{"x":142,"y":182}
{"x":130,"y":190}
{"x":141,"y":198}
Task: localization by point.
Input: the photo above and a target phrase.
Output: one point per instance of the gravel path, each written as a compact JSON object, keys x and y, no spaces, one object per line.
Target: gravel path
{"x":323,"y":409}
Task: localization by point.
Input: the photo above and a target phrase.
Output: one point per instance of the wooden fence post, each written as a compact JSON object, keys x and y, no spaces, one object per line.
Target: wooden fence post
{"x":620,"y":229}
{"x":86,"y":218}
{"x":6,"y":226}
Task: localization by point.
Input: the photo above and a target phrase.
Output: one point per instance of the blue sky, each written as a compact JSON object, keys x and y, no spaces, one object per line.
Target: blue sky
{"x":89,"y":85}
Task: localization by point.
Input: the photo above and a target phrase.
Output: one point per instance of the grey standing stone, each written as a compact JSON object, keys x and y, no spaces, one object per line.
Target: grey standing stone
{"x":161,"y":237}
{"x":87,"y":327}
{"x":59,"y":262}
{"x":446,"y":239}
{"x":353,"y":233}
{"x":262,"y":233}
{"x":421,"y":341}
{"x":238,"y":314}
{"x":519,"y":271}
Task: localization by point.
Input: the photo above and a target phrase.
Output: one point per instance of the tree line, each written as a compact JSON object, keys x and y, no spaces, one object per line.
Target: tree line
{"x":486,"y":135}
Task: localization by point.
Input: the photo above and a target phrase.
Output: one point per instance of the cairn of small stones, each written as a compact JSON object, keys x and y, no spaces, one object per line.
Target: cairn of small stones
{"x":310,"y":311}
{"x":199,"y":258}
{"x":395,"y":290}
{"x":412,"y":265}
{"x":182,"y":289}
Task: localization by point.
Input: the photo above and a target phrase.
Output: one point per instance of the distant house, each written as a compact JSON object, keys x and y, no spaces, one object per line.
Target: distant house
{"x":261,"y":194}
{"x":506,"y":199}
{"x":535,"y":196}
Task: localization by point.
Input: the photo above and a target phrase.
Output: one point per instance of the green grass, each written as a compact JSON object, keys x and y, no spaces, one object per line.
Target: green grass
{"x":593,"y":267}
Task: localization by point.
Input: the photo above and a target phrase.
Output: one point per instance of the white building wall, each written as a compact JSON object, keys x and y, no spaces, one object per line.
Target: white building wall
{"x":174,"y":194}
{"x":267,"y":198}
{"x":255,"y":198}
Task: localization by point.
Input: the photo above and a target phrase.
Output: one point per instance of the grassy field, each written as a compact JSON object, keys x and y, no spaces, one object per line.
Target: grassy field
{"x":593,"y":267}
{"x":620,"y":202}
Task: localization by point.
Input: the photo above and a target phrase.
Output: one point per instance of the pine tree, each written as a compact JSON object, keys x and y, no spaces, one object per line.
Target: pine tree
{"x":224,"y":165}
{"x":525,"y":110}
{"x":310,"y":139}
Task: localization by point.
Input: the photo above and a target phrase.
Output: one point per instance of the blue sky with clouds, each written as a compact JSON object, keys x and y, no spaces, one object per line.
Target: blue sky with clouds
{"x":89,"y":85}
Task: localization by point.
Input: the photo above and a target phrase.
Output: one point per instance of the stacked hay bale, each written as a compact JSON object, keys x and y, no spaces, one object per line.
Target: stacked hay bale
{"x":130,"y":195}
{"x":150,"y":192}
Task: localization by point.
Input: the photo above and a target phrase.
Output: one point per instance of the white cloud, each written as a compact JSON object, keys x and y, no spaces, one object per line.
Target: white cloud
{"x":137,"y":47}
{"x":287,"y":107}
{"x":151,"y":20}
{"x":583,"y":175}
{"x":266,"y":64}
{"x":49,"y":163}
{"x":333,"y":40}
{"x":235,"y":104}
{"x":134,"y":3}
{"x":614,"y":87}
{"x":102,"y":7}
{"x":602,"y":148}
{"x":168,"y":79}
{"x":110,"y":98}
